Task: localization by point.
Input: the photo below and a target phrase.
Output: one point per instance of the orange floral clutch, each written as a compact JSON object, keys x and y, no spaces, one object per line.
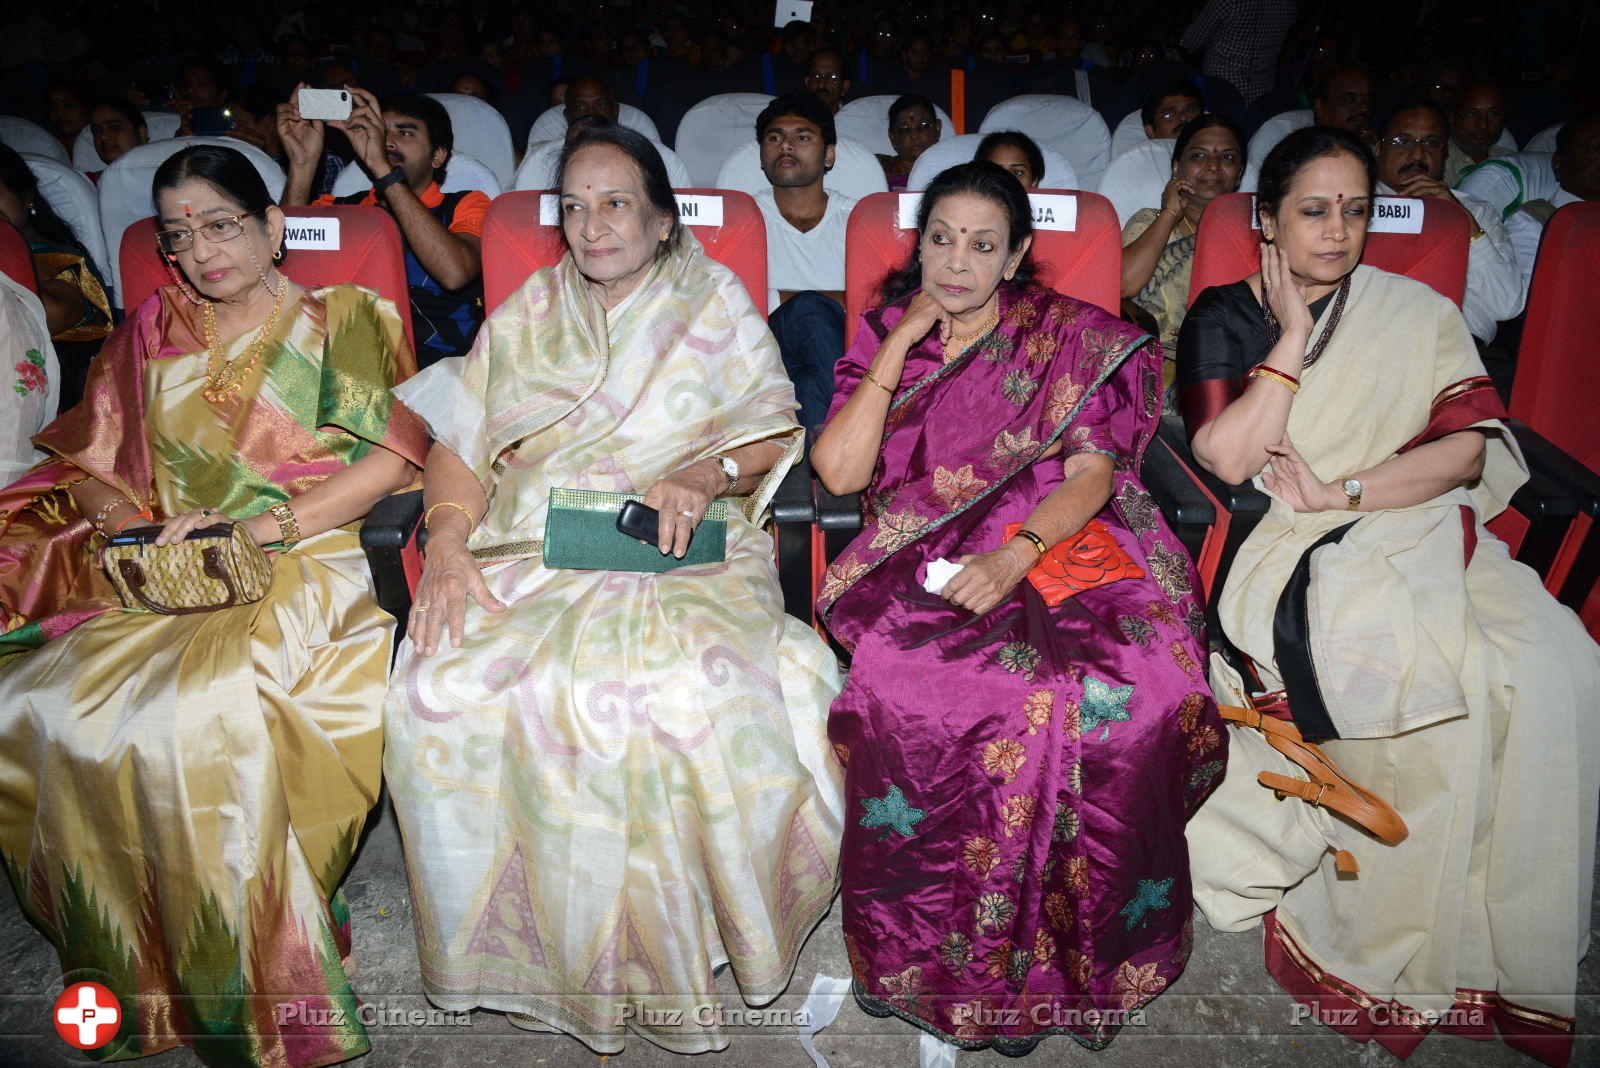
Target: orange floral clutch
{"x":1087,"y":559}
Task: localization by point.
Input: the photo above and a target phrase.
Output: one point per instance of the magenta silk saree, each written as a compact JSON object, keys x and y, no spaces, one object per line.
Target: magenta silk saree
{"x":1017,"y":783}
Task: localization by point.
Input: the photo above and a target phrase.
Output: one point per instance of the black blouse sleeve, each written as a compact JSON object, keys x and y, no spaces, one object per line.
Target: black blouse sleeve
{"x":1222,"y":337}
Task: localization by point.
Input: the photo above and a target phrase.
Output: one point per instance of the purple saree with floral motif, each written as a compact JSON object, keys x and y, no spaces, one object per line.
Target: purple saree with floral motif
{"x":1018,"y":782}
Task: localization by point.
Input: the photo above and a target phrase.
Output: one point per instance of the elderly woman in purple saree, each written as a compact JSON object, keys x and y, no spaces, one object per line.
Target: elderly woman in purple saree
{"x":1018,"y":775}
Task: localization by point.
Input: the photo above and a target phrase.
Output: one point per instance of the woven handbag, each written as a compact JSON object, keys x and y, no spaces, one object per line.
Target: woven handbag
{"x":213,"y":567}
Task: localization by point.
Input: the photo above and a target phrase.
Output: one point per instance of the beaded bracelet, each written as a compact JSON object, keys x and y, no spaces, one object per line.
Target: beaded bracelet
{"x":100,"y":517}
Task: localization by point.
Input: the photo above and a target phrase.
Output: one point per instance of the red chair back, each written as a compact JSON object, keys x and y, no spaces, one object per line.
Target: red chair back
{"x":1084,"y":261}
{"x":16,"y":259}
{"x":365,"y":249}
{"x":521,"y":235}
{"x":1555,"y":389}
{"x":1228,"y":246}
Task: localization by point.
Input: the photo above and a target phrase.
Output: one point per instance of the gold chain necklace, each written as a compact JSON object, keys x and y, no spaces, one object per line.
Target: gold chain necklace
{"x":225,"y":377}
{"x":961,"y":341}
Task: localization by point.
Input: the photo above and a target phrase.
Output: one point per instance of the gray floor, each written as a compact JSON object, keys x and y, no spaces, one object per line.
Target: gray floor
{"x":1224,"y":1011}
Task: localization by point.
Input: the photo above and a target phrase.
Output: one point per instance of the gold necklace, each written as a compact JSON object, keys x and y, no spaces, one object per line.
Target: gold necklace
{"x":988,"y":324}
{"x":225,"y":377}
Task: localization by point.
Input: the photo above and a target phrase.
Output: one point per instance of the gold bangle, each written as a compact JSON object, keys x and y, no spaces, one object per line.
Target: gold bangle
{"x":874,"y":380}
{"x":472,"y":524}
{"x":288,"y":525}
{"x":1289,"y":382}
{"x":1038,"y":542}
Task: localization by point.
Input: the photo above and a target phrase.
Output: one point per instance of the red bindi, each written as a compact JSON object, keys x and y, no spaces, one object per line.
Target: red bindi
{"x":963,"y":229}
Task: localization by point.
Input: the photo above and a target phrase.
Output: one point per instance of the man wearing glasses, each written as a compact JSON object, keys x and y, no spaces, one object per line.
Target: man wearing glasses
{"x":1168,"y":105}
{"x":827,"y":78}
{"x":1411,"y":151}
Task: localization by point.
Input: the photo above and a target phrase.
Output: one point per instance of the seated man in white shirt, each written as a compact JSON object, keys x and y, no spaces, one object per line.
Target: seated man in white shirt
{"x":1577,"y":167}
{"x":805,"y":245}
{"x":1411,"y":152}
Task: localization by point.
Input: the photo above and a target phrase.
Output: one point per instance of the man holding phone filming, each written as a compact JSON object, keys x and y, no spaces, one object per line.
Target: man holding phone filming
{"x":405,"y":144}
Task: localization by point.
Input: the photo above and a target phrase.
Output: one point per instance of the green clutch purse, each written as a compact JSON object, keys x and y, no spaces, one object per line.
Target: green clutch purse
{"x":580,"y":532}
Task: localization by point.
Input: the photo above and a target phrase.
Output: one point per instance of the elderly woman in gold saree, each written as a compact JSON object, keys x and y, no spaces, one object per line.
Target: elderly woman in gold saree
{"x":611,"y":782}
{"x":1434,"y":670}
{"x":180,"y":794}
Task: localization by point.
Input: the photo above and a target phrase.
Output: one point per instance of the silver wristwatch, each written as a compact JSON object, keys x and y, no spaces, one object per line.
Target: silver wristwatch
{"x":730,"y":467}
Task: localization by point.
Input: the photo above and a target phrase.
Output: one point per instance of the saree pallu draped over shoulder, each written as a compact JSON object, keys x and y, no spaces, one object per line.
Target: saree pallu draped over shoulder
{"x":622,"y":780}
{"x":1017,"y":782}
{"x":180,"y":795}
{"x":1446,"y":680}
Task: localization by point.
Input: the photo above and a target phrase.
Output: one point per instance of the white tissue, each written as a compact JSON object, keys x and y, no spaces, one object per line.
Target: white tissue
{"x":821,"y":1009}
{"x":940,"y":571}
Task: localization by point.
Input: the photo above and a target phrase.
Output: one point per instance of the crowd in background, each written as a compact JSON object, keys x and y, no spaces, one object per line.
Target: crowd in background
{"x":69,"y":65}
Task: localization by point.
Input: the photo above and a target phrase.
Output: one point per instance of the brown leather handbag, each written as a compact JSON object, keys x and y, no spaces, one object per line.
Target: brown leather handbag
{"x":213,"y":567}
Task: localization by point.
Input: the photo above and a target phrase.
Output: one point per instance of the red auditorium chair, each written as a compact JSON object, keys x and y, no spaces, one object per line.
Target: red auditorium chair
{"x":1554,"y":395}
{"x":369,"y":254}
{"x":16,"y":260}
{"x":1228,"y":249}
{"x":516,"y":243}
{"x":1084,"y":261}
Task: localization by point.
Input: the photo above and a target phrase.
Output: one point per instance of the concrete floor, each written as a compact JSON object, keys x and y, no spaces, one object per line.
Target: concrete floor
{"x":1224,"y":1010}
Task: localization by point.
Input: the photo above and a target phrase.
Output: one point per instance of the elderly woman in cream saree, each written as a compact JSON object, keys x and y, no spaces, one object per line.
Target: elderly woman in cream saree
{"x":1434,"y":670}
{"x":611,"y":782}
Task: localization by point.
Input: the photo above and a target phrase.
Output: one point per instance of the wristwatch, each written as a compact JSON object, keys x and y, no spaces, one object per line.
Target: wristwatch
{"x":1352,"y":493}
{"x":730,"y":467}
{"x":394,"y":177}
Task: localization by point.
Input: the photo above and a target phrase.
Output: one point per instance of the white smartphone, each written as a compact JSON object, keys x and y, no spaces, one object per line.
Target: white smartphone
{"x":325,"y":104}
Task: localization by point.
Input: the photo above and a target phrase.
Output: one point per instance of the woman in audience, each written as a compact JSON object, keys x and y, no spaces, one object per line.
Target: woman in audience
{"x":1005,"y":869}
{"x":913,"y":127}
{"x":180,"y":794}
{"x":1017,"y":153}
{"x":1435,"y":671}
{"x":636,"y":764}
{"x":1158,"y":243}
{"x":116,"y":126}
{"x":76,"y":305}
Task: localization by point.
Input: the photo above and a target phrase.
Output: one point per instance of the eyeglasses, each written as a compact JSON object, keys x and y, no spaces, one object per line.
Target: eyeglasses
{"x":217,"y":231}
{"x":921,"y":127}
{"x":825,"y":76}
{"x":1179,"y":113}
{"x":1404,"y":142}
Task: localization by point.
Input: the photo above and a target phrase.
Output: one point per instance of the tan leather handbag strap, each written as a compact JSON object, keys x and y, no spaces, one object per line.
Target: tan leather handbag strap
{"x":1327,"y":785}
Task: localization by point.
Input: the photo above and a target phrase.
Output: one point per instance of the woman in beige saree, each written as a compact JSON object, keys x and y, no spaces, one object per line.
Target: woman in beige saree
{"x":1435,"y":671}
{"x":611,"y":782}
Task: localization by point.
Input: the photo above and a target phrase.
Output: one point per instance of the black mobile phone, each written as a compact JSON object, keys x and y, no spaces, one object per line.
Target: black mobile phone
{"x":146,"y":535}
{"x":210,"y":122}
{"x":638,"y":520}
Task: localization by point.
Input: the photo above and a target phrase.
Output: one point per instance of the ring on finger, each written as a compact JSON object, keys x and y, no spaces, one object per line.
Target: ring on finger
{"x":687,"y":514}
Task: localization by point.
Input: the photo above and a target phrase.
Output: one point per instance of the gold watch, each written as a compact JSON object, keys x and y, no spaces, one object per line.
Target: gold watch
{"x":1352,"y":493}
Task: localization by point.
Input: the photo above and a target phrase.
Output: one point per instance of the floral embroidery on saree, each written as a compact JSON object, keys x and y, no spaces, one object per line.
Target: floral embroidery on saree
{"x":893,"y":812}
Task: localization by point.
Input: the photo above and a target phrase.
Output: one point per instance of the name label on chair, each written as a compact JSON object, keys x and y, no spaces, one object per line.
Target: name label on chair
{"x":311,"y":234}
{"x":693,"y":209}
{"x":1396,"y":215}
{"x":1390,"y":215}
{"x":697,"y":210}
{"x":1051,"y":211}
